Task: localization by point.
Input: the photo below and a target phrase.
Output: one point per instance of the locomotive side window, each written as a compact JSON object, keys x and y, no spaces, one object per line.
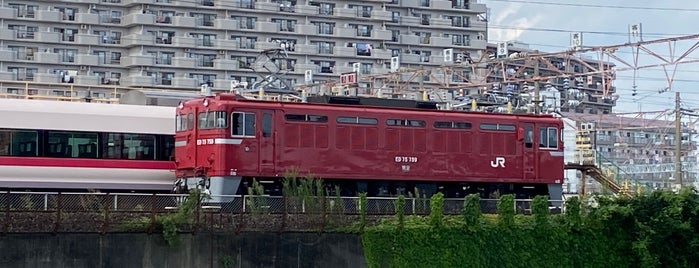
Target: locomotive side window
{"x":357,"y":120}
{"x":405,"y":123}
{"x":497,"y":127}
{"x":18,"y":142}
{"x":243,"y":124}
{"x":210,"y":120}
{"x":306,"y":117}
{"x":529,"y":137}
{"x":548,"y":138}
{"x":266,"y":125}
{"x":452,"y":124}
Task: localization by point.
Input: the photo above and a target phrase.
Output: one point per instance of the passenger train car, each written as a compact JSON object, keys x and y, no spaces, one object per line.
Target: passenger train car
{"x":223,"y":142}
{"x":77,"y":146}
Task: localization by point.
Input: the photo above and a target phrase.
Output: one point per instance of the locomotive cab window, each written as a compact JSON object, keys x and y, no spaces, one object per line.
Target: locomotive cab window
{"x":213,"y":119}
{"x":243,"y":124}
{"x":548,"y":138}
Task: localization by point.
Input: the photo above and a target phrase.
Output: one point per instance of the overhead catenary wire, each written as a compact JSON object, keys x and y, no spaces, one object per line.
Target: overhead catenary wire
{"x":599,"y":6}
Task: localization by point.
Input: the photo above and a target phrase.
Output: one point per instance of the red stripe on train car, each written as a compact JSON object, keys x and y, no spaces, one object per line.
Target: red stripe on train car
{"x":85,"y":163}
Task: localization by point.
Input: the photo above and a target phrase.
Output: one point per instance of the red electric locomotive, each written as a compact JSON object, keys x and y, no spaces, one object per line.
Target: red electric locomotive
{"x":225,"y":141}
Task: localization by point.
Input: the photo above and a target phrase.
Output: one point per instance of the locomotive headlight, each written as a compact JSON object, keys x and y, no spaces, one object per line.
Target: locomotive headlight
{"x":206,"y":102}
{"x":181,"y":105}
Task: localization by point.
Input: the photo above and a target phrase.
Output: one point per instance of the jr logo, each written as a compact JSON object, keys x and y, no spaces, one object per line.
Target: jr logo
{"x":499,"y":161}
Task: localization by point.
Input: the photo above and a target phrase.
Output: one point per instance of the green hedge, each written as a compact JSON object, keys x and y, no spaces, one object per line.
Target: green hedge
{"x":656,"y":230}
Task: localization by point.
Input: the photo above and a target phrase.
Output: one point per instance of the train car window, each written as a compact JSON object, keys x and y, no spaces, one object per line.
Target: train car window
{"x":266,"y":125}
{"x":243,"y":124}
{"x":357,"y":120}
{"x":190,"y":121}
{"x":71,"y":144}
{"x":306,"y":117}
{"x":405,"y":123}
{"x":166,"y":147}
{"x":129,"y":146}
{"x":452,"y":124}
{"x":529,"y":137}
{"x":18,"y":142}
{"x":548,"y":138}
{"x":497,"y":127}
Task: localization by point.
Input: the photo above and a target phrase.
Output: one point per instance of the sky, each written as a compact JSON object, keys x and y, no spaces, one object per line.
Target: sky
{"x":546,"y":25}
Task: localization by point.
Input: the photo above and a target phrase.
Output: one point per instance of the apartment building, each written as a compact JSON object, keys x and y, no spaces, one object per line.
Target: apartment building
{"x":183,"y":44}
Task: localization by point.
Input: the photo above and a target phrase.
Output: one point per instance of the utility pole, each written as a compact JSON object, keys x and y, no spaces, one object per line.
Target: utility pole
{"x":678,"y":140}
{"x":536,"y":86}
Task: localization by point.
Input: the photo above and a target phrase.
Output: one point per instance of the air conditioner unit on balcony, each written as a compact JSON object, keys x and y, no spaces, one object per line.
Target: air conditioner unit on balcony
{"x":222,"y":52}
{"x":84,"y":26}
{"x":83,"y":68}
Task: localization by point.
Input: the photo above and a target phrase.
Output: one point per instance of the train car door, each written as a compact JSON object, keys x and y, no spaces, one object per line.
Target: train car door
{"x":529,"y":152}
{"x":267,"y":145}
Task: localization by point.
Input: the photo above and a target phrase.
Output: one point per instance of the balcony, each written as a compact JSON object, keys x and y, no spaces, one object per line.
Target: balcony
{"x":226,"y":44}
{"x":307,"y":29}
{"x":183,"y":41}
{"x":184,"y":82}
{"x":226,"y":24}
{"x":223,"y":64}
{"x":85,"y":59}
{"x":138,"y":81}
{"x":48,"y":15}
{"x":381,"y":15}
{"x":345,"y":12}
{"x":345,"y":51}
{"x":267,"y":27}
{"x":47,"y":57}
{"x":345,"y":32}
{"x":183,"y":62}
{"x":7,"y":34}
{"x":87,"y":39}
{"x":138,"y":60}
{"x":138,"y":19}
{"x":181,"y":21}
{"x":139,"y":40}
{"x":7,"y":55}
{"x":307,"y":10}
{"x":440,"y":41}
{"x":87,"y":18}
{"x":384,"y":35}
{"x":306,"y":49}
{"x":48,"y":37}
{"x":7,"y":13}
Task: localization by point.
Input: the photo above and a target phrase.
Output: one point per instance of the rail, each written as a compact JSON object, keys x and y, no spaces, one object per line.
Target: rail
{"x":129,"y":212}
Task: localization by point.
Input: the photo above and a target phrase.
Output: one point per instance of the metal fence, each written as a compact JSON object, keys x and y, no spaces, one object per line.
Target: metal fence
{"x":124,"y":212}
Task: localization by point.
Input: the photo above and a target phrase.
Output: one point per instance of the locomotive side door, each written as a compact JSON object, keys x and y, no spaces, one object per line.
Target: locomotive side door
{"x":266,"y":139}
{"x":529,"y":152}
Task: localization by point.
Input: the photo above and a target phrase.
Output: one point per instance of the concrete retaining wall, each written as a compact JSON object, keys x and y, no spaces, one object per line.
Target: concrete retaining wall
{"x":126,"y":250}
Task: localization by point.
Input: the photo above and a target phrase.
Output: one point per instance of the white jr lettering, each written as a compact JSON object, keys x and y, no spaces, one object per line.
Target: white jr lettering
{"x":499,"y":161}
